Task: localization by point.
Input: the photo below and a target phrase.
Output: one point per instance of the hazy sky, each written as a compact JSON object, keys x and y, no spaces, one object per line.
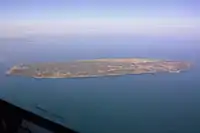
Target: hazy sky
{"x":63,"y":17}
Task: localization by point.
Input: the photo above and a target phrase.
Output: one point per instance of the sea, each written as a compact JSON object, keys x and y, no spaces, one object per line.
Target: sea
{"x":161,"y":103}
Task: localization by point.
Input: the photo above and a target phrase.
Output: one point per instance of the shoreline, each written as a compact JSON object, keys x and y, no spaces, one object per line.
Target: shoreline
{"x":98,"y":68}
{"x":96,"y":76}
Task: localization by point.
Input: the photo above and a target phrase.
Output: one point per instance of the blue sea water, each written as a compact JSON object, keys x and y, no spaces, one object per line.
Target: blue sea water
{"x":164,"y":103}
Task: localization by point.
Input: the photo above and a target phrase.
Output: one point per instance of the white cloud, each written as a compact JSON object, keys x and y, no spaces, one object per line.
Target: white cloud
{"x":140,"y":26}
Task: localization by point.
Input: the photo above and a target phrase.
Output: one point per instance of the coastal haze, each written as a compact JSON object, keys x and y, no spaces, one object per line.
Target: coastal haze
{"x":37,"y":34}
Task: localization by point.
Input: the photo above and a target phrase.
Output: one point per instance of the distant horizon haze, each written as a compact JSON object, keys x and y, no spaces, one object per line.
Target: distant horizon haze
{"x":21,"y":18}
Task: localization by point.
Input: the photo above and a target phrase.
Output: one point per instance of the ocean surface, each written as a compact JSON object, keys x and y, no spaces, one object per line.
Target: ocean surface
{"x":164,"y":103}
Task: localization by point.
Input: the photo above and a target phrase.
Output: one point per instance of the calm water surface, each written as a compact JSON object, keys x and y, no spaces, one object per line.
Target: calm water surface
{"x":164,"y":103}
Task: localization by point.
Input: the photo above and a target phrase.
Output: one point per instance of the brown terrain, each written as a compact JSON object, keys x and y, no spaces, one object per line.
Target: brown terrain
{"x":98,"y":67}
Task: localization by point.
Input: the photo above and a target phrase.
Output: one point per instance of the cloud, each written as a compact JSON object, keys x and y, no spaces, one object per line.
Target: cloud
{"x":101,"y":26}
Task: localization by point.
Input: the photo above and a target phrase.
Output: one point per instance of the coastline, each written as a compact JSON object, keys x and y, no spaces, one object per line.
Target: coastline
{"x":98,"y":68}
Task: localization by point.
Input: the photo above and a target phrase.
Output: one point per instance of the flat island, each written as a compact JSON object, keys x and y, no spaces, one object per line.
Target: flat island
{"x":98,"y":67}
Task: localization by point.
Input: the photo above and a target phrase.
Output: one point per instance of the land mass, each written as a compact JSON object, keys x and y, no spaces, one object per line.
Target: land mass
{"x":98,"y":67}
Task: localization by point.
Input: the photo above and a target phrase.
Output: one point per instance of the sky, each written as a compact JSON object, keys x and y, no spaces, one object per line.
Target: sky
{"x":19,"y":18}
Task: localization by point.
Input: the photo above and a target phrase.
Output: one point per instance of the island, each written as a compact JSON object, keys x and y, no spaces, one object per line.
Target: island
{"x":98,"y":67}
